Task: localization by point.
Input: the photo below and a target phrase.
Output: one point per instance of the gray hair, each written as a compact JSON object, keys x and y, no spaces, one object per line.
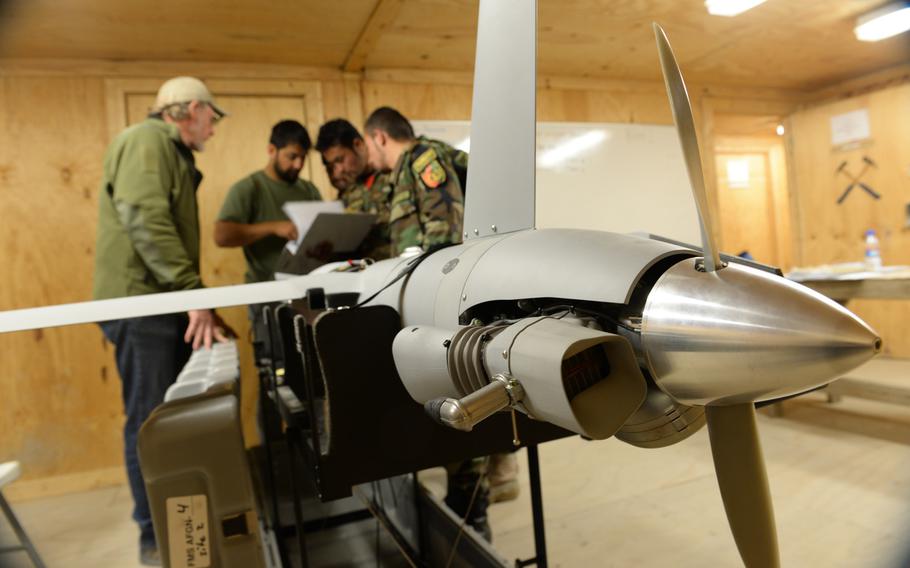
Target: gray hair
{"x":176,"y":111}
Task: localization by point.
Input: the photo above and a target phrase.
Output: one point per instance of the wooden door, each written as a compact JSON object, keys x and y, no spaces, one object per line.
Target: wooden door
{"x":746,"y":211}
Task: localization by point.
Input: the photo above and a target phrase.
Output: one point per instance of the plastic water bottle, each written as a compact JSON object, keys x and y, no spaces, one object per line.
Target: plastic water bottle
{"x":873,"y":255}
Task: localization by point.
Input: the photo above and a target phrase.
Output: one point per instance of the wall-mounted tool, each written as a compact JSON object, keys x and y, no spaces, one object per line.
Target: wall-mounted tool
{"x":854,"y":180}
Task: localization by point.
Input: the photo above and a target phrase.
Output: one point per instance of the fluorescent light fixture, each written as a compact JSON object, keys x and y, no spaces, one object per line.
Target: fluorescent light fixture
{"x":780,"y":130}
{"x":571,"y":148}
{"x":887,"y":21}
{"x":730,"y":7}
{"x":464,"y":145}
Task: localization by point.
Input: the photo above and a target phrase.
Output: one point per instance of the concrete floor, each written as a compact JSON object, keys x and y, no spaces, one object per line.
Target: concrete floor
{"x":839,"y":473}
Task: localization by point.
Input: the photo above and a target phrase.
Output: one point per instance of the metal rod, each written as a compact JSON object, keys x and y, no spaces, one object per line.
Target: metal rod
{"x":540,"y":539}
{"x":298,"y":511}
{"x":20,"y":534}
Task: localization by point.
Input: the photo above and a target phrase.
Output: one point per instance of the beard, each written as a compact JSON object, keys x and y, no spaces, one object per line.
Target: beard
{"x":289,"y":175}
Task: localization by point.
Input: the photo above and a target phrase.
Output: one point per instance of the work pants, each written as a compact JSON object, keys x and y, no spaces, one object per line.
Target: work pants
{"x":150,"y":352}
{"x":468,"y":492}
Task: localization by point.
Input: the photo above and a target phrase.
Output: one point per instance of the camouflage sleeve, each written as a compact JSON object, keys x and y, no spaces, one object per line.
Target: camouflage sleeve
{"x":352,"y":198}
{"x":439,"y":199}
{"x":404,"y":223}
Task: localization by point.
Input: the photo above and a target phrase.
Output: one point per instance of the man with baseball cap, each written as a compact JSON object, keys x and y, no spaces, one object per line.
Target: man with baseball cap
{"x":148,"y":242}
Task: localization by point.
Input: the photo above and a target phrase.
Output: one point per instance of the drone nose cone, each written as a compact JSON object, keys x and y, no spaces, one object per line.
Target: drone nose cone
{"x":743,"y":335}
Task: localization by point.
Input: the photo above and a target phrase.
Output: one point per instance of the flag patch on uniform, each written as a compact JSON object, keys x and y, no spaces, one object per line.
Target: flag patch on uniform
{"x":422,"y":157}
{"x":433,"y":175}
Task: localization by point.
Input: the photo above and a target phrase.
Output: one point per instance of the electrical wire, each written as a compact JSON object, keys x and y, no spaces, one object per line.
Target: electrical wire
{"x":409,"y":268}
{"x":464,"y":519}
{"x":588,"y":311}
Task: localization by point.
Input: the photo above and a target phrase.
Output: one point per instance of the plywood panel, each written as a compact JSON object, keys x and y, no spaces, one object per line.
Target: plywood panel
{"x":448,"y":101}
{"x":307,"y":32}
{"x":834,"y":233}
{"x":59,"y":391}
{"x":440,"y":101}
{"x":62,"y":414}
{"x":609,"y":38}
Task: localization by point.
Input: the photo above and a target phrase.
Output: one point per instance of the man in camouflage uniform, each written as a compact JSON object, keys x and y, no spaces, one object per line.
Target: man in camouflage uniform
{"x":427,"y":208}
{"x":360,"y":188}
{"x":427,"y":195}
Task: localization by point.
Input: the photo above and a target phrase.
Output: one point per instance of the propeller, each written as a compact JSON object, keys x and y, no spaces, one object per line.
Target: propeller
{"x":685,"y":127}
{"x":743,"y":481}
{"x":735,"y":446}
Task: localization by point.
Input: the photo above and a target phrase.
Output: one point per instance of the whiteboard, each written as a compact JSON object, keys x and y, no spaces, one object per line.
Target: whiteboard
{"x":621,"y":178}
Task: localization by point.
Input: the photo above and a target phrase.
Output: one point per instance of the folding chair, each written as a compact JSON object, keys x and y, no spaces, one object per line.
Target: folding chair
{"x":10,"y":472}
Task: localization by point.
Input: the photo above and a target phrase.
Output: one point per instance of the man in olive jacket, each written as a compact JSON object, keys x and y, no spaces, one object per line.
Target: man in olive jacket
{"x":148,"y":242}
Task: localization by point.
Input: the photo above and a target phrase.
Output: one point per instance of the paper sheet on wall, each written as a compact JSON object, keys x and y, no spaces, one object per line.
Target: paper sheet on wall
{"x":303,"y":213}
{"x":850,"y":127}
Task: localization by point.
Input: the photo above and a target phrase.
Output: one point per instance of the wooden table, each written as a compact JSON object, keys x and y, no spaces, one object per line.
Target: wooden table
{"x":869,"y":381}
{"x":896,"y":287}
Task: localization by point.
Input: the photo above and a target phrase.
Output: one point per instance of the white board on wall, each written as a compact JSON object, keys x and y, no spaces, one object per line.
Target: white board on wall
{"x":621,"y":178}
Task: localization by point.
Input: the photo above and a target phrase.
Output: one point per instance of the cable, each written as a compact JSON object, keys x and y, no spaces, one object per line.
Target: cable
{"x":590,"y":312}
{"x":409,"y":267}
{"x":464,"y":519}
{"x":373,"y":484}
{"x":372,"y":506}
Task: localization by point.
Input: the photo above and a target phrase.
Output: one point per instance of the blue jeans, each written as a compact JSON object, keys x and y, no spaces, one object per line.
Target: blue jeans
{"x":150,"y":353}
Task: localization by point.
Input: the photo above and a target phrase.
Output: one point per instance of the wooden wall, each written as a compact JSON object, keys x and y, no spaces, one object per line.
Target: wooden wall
{"x":831,"y":233}
{"x":61,"y":411}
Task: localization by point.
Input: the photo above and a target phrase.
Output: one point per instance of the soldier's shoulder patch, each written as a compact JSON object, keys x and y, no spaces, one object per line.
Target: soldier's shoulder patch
{"x":423,"y":155}
{"x":433,"y":175}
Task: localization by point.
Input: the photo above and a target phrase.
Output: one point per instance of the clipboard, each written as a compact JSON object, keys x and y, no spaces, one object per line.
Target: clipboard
{"x":344,"y":231}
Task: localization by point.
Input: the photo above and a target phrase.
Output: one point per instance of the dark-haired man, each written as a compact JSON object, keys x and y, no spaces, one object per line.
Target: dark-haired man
{"x":252,"y":214}
{"x":427,"y":192}
{"x":361,"y":188}
{"x":427,"y":208}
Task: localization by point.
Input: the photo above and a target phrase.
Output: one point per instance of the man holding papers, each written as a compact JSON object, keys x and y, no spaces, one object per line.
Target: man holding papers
{"x":361,"y":188}
{"x":252,"y":215}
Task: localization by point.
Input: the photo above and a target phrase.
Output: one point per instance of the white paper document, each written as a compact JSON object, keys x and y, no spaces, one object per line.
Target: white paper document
{"x":303,"y":213}
{"x":850,"y":127}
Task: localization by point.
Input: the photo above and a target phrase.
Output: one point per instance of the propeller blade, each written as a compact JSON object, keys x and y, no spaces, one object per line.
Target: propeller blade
{"x":743,"y":482}
{"x":685,"y":127}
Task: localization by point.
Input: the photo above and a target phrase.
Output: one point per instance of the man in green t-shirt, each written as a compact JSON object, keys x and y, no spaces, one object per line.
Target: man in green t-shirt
{"x":252,"y":216}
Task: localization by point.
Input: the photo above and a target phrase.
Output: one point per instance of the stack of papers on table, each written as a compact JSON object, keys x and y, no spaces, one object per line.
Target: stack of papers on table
{"x":847,"y":271}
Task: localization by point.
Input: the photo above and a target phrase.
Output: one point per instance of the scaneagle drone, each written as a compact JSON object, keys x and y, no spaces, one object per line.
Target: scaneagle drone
{"x":599,"y":333}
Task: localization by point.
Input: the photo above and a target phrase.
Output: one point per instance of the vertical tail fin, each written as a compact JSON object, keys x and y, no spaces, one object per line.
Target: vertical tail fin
{"x":503,"y":121}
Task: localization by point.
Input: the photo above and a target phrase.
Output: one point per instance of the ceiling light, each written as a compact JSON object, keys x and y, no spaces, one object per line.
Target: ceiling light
{"x":887,"y":21}
{"x":730,"y":7}
{"x":780,"y":130}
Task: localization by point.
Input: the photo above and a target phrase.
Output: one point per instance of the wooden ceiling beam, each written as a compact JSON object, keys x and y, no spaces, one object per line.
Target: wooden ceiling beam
{"x":889,"y":77}
{"x":146,"y":68}
{"x":382,"y":17}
